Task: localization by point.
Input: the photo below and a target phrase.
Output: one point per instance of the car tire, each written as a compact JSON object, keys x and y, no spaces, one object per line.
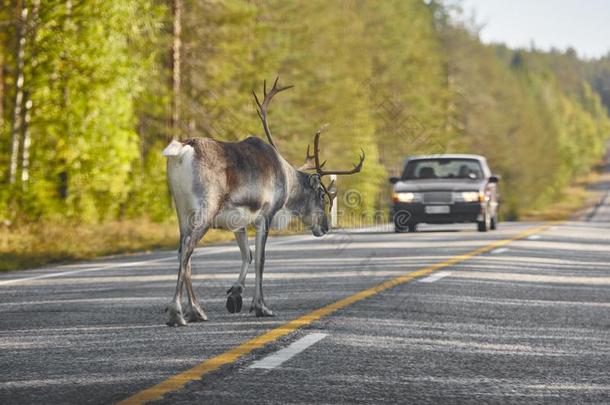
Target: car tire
{"x":493,"y":225}
{"x":399,"y":229}
{"x":412,"y":227}
{"x":485,"y":224}
{"x":401,"y":222}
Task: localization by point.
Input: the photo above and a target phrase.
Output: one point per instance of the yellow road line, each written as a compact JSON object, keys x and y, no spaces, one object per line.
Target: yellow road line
{"x":178,"y":381}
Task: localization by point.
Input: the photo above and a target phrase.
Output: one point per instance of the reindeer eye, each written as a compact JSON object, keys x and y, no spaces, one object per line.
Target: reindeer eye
{"x":314,"y":181}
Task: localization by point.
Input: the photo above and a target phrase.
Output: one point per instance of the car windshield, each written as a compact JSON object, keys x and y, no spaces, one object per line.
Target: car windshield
{"x":443,"y":168}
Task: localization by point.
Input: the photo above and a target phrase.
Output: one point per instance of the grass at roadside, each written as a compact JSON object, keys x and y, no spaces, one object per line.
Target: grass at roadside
{"x":575,"y":200}
{"x":35,"y":245}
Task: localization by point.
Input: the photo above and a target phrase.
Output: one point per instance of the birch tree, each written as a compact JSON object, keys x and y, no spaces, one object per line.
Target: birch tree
{"x":16,"y":123}
{"x":27,"y":102}
{"x":176,"y":68}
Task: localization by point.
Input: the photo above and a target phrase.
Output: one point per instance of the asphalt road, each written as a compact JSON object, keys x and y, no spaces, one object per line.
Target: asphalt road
{"x":525,"y":322}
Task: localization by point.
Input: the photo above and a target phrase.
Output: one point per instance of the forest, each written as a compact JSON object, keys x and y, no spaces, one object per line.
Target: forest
{"x":91,"y":91}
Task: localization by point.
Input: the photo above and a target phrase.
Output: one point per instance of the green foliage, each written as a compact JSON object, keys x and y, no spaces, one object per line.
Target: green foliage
{"x":532,"y":114}
{"x":83,"y":81}
{"x":397,"y":77}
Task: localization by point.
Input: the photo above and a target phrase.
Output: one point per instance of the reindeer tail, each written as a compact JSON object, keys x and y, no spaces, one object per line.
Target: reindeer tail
{"x":173,"y":149}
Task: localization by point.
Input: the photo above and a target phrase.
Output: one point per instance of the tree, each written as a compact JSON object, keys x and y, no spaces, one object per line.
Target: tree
{"x":16,"y":122}
{"x":92,"y":90}
{"x":176,"y":71}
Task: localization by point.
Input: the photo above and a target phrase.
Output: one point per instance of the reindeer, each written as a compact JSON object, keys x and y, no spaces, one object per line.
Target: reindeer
{"x":231,"y":185}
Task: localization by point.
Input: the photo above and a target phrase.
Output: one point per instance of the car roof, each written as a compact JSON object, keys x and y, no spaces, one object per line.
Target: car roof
{"x":447,"y":156}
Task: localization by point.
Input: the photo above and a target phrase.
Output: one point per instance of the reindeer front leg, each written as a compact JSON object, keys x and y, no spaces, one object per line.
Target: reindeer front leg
{"x":234,"y":300}
{"x":258,"y":304}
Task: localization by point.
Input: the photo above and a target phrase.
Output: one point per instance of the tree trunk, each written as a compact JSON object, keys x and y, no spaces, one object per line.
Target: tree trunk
{"x":176,"y":74}
{"x":17,"y":115}
{"x":1,"y":90}
{"x":27,"y":140}
{"x":27,"y":117}
{"x":63,"y":177}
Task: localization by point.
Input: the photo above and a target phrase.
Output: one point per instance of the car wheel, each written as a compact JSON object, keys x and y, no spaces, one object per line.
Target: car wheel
{"x":401,"y":222}
{"x":493,"y":225}
{"x":399,"y":229}
{"x":485,"y":224}
{"x":399,"y":226}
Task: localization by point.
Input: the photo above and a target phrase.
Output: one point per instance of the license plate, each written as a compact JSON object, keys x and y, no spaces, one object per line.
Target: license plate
{"x":437,"y":209}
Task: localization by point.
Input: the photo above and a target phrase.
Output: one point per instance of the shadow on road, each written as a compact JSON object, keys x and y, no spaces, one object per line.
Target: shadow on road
{"x":391,"y":231}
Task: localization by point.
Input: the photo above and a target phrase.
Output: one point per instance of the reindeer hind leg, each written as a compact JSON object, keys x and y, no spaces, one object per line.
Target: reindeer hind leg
{"x":194,"y":311}
{"x":174,"y":309}
{"x":175,"y":314}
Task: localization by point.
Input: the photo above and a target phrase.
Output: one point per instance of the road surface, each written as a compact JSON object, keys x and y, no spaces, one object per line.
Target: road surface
{"x":494,"y":319}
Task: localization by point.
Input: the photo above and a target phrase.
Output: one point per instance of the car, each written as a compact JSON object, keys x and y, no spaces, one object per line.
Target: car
{"x":444,"y":189}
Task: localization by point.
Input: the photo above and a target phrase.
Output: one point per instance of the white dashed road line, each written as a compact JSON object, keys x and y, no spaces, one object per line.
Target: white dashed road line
{"x":435,"y":277}
{"x":499,"y":250}
{"x":533,"y":237}
{"x":276,"y":359}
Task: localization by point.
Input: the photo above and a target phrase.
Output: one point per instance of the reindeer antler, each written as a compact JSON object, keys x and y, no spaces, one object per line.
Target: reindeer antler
{"x":313,"y":162}
{"x":310,"y":163}
{"x":318,"y":166}
{"x":262,"y":107}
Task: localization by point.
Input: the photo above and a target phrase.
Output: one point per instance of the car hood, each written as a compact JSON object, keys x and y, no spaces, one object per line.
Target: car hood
{"x":438,"y":185}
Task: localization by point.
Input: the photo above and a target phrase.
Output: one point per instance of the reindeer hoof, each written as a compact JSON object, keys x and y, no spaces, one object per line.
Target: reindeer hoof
{"x":175,"y":315}
{"x":261,"y":311}
{"x":234,"y":303}
{"x":176,"y":321}
{"x":196,"y":314}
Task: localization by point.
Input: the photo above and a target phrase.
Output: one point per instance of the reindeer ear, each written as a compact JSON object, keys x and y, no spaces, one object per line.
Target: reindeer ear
{"x":332,"y":189}
{"x":314,"y":180}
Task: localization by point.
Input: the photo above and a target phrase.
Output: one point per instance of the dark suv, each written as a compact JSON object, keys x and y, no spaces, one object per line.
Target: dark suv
{"x":443,"y":189}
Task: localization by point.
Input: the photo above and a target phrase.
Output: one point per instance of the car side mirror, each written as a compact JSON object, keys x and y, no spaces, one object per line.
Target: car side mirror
{"x":394,"y":180}
{"x":494,"y":179}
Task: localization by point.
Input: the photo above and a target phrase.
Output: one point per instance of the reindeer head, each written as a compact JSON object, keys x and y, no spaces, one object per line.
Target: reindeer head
{"x":321,"y":197}
{"x":315,"y":198}
{"x":315,"y":202}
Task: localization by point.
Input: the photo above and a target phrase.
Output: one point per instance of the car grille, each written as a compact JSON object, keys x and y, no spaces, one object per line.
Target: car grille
{"x":438,"y":197}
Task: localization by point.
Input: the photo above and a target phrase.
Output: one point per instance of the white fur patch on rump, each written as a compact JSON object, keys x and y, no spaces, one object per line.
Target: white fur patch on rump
{"x":173,"y":149}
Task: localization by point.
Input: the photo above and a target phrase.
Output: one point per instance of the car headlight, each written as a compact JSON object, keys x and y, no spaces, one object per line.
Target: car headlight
{"x":468,"y":196}
{"x":406,"y":197}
